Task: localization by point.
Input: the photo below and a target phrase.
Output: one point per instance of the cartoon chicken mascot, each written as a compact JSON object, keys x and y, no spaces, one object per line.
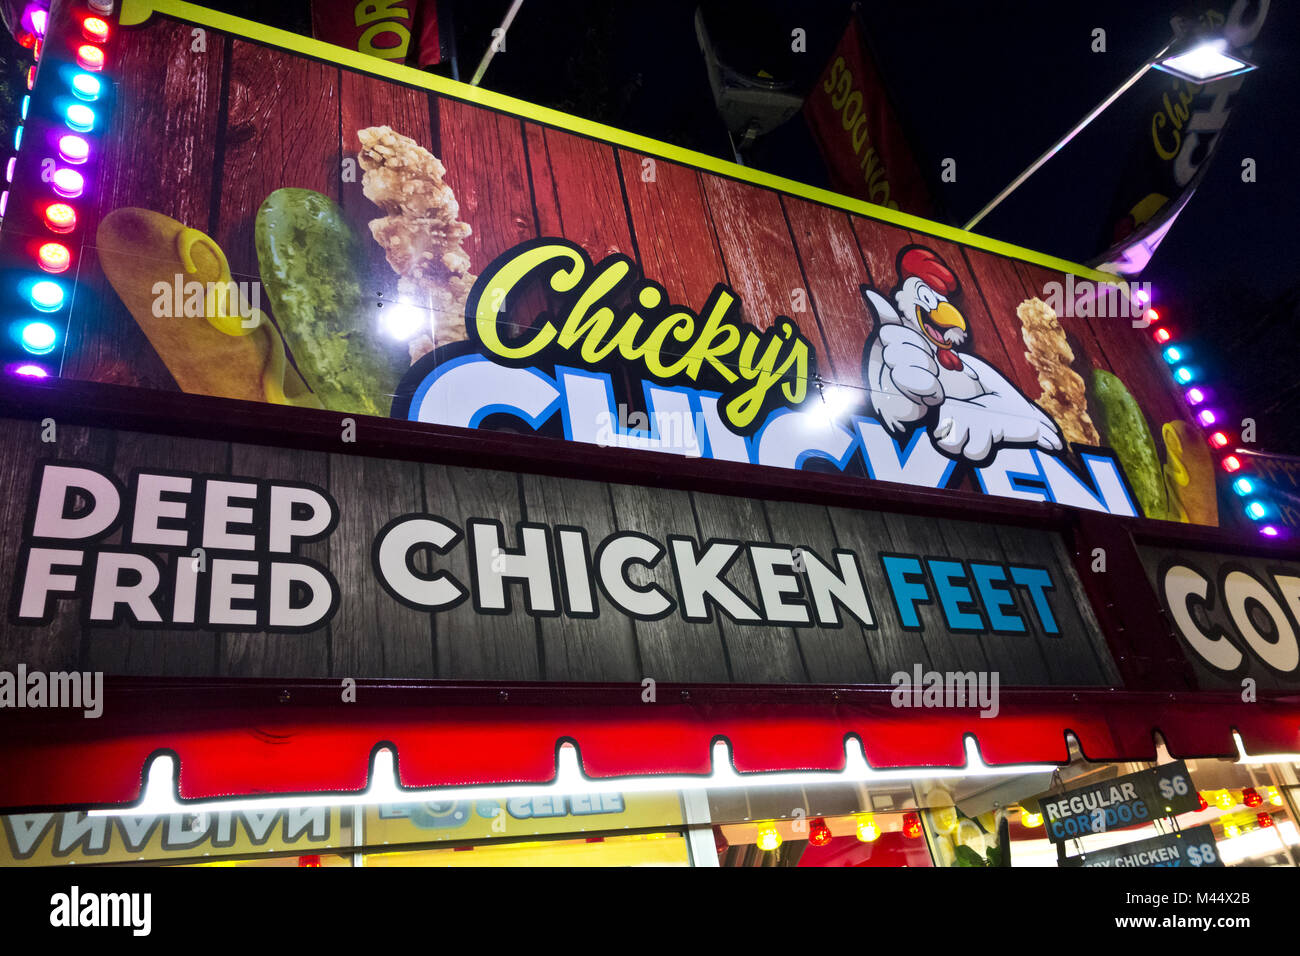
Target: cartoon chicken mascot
{"x":916,"y":374}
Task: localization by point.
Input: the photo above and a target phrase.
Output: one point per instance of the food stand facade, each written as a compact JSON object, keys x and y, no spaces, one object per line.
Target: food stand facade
{"x":355,"y":414}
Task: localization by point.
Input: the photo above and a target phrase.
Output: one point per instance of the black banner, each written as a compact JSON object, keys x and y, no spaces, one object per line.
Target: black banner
{"x":1132,"y":800}
{"x":1192,"y":847}
{"x":1179,"y":134}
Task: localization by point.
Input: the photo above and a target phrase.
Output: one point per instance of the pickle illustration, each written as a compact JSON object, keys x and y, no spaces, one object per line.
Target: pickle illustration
{"x":308,"y":258}
{"x":1124,"y":428}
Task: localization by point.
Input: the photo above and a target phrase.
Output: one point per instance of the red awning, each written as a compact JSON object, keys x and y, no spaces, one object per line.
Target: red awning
{"x":246,"y":738}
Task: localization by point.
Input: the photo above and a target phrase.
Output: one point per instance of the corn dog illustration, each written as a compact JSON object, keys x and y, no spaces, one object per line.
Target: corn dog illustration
{"x":176,"y":283}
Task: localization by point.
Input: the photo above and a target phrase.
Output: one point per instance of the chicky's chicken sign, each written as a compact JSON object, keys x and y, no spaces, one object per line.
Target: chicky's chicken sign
{"x":717,"y":387}
{"x":374,"y":240}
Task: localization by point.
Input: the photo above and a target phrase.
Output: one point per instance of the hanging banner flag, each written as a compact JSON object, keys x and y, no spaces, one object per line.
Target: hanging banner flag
{"x":861,"y":141}
{"x":404,"y":31}
{"x":1179,"y":134}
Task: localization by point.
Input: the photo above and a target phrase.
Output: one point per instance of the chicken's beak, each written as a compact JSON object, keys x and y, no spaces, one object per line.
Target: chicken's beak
{"x":946,"y":316}
{"x":934,"y":324}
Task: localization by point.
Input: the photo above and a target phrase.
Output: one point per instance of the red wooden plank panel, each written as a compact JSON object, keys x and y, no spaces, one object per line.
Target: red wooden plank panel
{"x":484,"y":154}
{"x":879,"y":244}
{"x":998,"y":283}
{"x":282,"y":129}
{"x":159,"y":154}
{"x":833,"y":266}
{"x":576,"y":185}
{"x":366,"y":101}
{"x":673,"y":230}
{"x":758,"y":252}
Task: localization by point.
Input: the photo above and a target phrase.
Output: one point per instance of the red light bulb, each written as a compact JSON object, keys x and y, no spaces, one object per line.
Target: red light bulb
{"x":1162,"y":336}
{"x":911,"y":826}
{"x":1231,"y":463}
{"x":1218,"y":439}
{"x":54,"y":257}
{"x":60,"y":217}
{"x":90,"y":57}
{"x":819,"y":834}
{"x":94,"y":29}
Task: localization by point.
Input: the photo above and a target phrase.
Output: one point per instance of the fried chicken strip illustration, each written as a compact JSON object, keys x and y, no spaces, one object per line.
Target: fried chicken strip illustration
{"x":420,"y":233}
{"x":1064,"y":392}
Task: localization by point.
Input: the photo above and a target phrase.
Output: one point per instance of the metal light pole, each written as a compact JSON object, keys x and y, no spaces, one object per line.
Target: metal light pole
{"x":1223,"y":65}
{"x":498,"y":35}
{"x":1072,"y":132}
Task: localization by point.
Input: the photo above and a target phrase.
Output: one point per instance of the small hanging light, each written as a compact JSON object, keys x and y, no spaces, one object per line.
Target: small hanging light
{"x":868,"y":829}
{"x":768,"y":837}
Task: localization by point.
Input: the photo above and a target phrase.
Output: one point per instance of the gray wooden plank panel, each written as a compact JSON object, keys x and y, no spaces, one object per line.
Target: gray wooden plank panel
{"x":832,"y":655}
{"x":469,"y":645}
{"x":1071,"y":656}
{"x":670,"y":649}
{"x":59,"y":645}
{"x":148,"y":651}
{"x":1082,"y":605}
{"x":373,"y":635}
{"x":924,"y":537}
{"x":758,"y":653}
{"x":249,"y":654}
{"x":1018,"y":658}
{"x":602,"y":648}
{"x":892,"y":648}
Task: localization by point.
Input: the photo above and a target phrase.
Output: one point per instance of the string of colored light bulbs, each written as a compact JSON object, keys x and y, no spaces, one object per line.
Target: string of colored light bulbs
{"x":1255,"y":505}
{"x":67,"y":181}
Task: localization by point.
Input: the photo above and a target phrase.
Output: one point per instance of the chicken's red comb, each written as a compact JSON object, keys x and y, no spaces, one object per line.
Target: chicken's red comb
{"x":929,"y":268}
